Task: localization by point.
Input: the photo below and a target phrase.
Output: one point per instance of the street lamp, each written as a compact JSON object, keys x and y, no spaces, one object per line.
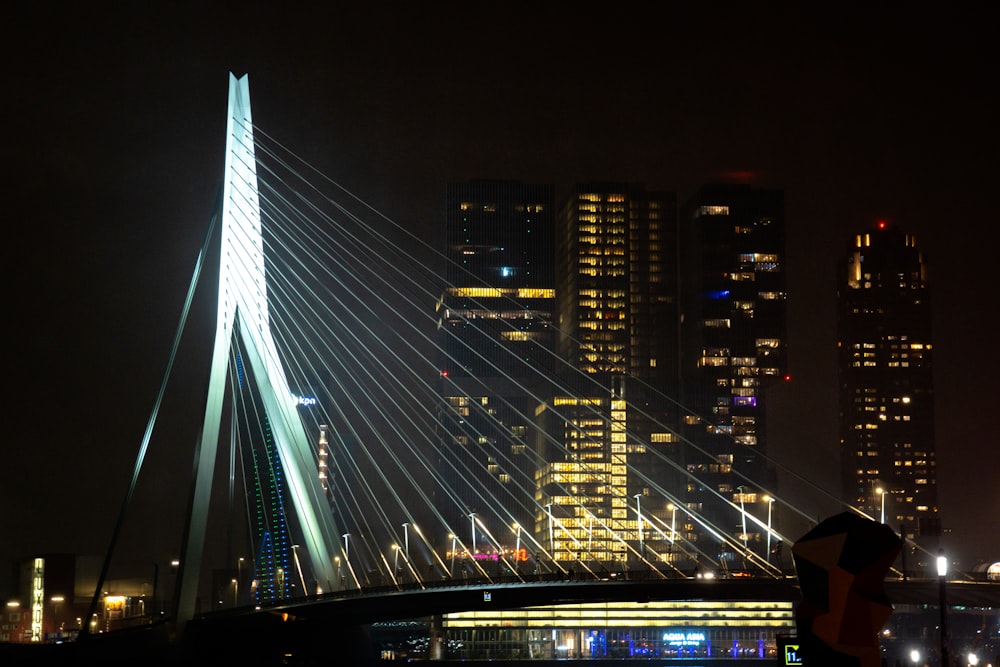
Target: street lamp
{"x":914,"y":656}
{"x":406,"y":540}
{"x":743,"y":512}
{"x":517,"y":548}
{"x":239,"y":568}
{"x":236,"y":593}
{"x":395,"y":561}
{"x":638,"y":518}
{"x":298,"y":568}
{"x":942,"y":570}
{"x":472,"y":520}
{"x":770,"y":504}
{"x":56,"y":600}
{"x":552,"y":544}
{"x":454,"y":540}
{"x":347,"y":551}
{"x":880,"y":491}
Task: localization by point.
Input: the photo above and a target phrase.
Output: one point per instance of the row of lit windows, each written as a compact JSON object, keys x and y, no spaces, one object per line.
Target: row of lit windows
{"x":597,"y":303}
{"x":452,"y":314}
{"x":609,"y":273}
{"x":496,"y":292}
{"x":605,"y":259}
{"x":596,"y":293}
{"x":758,"y":257}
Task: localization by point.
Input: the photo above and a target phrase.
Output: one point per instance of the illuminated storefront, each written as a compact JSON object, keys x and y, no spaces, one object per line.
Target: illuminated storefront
{"x":679,"y":630}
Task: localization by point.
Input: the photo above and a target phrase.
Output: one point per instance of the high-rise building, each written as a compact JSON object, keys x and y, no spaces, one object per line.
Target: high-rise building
{"x":886,"y":382}
{"x":603,"y":488}
{"x":733,"y":342}
{"x":495,"y":319}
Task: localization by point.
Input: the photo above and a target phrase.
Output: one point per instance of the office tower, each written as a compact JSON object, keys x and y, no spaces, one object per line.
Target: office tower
{"x":605,"y":485}
{"x":886,"y":385}
{"x":733,"y":342}
{"x":495,"y":324}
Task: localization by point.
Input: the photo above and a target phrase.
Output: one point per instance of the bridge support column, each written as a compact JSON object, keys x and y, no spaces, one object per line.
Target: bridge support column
{"x":436,"y":650}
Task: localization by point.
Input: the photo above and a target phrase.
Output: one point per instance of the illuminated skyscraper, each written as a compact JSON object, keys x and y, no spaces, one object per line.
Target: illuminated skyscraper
{"x":886,"y":382}
{"x":733,"y":348}
{"x":495,"y":322}
{"x":616,"y":305}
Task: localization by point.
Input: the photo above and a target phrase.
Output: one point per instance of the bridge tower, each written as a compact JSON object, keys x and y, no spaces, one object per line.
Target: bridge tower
{"x":243,"y":312}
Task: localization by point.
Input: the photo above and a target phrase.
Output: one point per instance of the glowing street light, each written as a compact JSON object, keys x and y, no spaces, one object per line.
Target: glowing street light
{"x":236,"y":593}
{"x":395,"y":561}
{"x":770,"y":504}
{"x":517,"y":548}
{"x":743,"y":512}
{"x":880,"y":491}
{"x":239,"y":568}
{"x":298,"y":568}
{"x":638,"y":518}
{"x":406,"y":540}
{"x":942,"y":570}
{"x":454,"y":540}
{"x":914,"y":656}
{"x":472,"y":520}
{"x":552,"y":544}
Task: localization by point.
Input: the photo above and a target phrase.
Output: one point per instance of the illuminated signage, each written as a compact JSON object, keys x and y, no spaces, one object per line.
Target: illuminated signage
{"x":674,"y":638}
{"x":487,"y":596}
{"x":305,"y":401}
{"x":789,"y":650}
{"x":792,"y":656}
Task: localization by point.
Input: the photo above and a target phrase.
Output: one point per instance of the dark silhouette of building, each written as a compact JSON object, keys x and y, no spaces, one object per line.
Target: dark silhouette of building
{"x":733,"y":341}
{"x":885,"y":362}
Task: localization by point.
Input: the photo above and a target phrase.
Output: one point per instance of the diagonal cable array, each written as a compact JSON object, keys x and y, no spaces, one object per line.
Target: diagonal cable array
{"x":351,"y":304}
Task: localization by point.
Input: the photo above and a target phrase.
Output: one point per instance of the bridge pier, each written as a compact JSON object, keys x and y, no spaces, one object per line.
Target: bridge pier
{"x":436,"y":650}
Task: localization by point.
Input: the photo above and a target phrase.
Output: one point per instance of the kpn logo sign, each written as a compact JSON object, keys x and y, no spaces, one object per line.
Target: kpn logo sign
{"x":304,"y":401}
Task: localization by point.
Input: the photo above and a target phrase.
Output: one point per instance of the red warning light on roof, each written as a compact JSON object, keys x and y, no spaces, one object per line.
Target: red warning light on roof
{"x":788,"y":378}
{"x":882,"y":224}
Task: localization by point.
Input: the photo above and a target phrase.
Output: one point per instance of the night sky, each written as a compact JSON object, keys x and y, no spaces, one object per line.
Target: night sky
{"x":114,"y":124}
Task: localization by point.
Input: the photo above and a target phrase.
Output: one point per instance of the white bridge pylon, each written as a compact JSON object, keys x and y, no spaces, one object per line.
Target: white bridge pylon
{"x":242,"y":311}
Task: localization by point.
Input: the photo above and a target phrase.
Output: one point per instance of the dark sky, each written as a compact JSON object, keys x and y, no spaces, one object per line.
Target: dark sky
{"x":114,"y":117}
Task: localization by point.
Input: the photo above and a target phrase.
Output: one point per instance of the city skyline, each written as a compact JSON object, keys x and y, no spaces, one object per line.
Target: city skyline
{"x":97,"y":186}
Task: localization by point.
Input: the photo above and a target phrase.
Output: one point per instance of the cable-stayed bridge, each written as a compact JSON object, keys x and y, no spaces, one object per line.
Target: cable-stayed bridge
{"x":355,"y":457}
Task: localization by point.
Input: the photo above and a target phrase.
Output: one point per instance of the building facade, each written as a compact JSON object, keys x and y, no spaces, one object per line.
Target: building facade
{"x":495,"y":344}
{"x":885,"y":363}
{"x":605,"y":489}
{"x":733,"y":342}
